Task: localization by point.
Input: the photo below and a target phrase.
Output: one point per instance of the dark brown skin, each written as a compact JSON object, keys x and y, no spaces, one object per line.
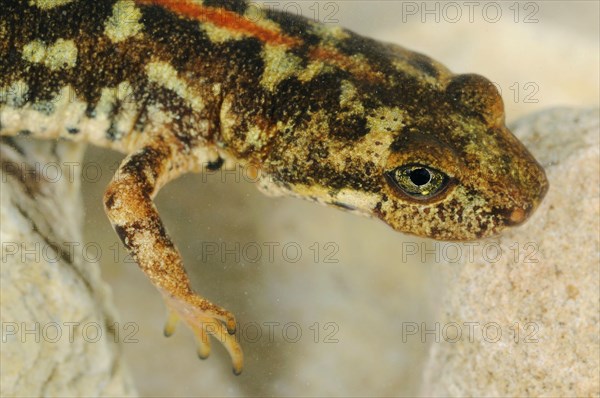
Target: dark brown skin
{"x":321,"y":112}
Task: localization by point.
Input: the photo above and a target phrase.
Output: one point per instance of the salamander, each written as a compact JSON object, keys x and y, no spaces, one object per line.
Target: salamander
{"x":317,"y":111}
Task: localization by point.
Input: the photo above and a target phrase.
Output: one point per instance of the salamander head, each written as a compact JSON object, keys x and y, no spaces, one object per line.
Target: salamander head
{"x":442,"y":165}
{"x":427,"y":152}
{"x":464,"y":176}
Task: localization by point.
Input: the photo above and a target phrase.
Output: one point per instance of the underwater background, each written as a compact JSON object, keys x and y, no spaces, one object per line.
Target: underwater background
{"x":326,"y":311}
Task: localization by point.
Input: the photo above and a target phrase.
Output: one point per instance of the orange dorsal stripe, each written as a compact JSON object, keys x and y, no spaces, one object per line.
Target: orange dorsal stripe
{"x":224,"y":19}
{"x":344,"y":62}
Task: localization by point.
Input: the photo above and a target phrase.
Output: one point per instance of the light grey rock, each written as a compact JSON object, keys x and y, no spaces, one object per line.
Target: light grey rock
{"x":533,"y":306}
{"x":56,"y":313}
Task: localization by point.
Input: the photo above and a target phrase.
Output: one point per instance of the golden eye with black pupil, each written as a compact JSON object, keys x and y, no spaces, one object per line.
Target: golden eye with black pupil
{"x":417,"y":181}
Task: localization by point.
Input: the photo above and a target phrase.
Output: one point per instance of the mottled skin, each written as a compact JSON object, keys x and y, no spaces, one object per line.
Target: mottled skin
{"x":321,"y":112}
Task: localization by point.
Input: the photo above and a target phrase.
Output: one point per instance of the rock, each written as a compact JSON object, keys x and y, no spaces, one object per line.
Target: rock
{"x":57,"y":319}
{"x":527,"y":303}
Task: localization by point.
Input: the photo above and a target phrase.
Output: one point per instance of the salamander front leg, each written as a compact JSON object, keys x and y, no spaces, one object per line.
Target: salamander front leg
{"x":129,"y":206}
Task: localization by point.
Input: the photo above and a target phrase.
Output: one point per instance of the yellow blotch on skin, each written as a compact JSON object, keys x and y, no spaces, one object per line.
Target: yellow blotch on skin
{"x":124,"y":22}
{"x":227,"y":119}
{"x":34,"y":52}
{"x":404,"y":67}
{"x":159,"y":115}
{"x":313,"y":69}
{"x":220,"y":35}
{"x":216,"y":89}
{"x":165,"y":75}
{"x":349,"y":98}
{"x":60,"y":55}
{"x":373,"y":146}
{"x":48,"y":4}
{"x":330,"y":34}
{"x":386,"y":119}
{"x":107,"y":100}
{"x":279,"y":65}
{"x":362,"y":201}
{"x":255,"y":137}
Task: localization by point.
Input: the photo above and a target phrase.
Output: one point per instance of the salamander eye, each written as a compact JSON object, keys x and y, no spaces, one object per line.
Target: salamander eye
{"x":417,"y":181}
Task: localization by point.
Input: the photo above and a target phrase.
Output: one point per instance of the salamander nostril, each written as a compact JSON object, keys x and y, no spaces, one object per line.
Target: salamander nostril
{"x":517,"y":216}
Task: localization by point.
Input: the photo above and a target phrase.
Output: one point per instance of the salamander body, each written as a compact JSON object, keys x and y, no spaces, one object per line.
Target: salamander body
{"x":320,"y":112}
